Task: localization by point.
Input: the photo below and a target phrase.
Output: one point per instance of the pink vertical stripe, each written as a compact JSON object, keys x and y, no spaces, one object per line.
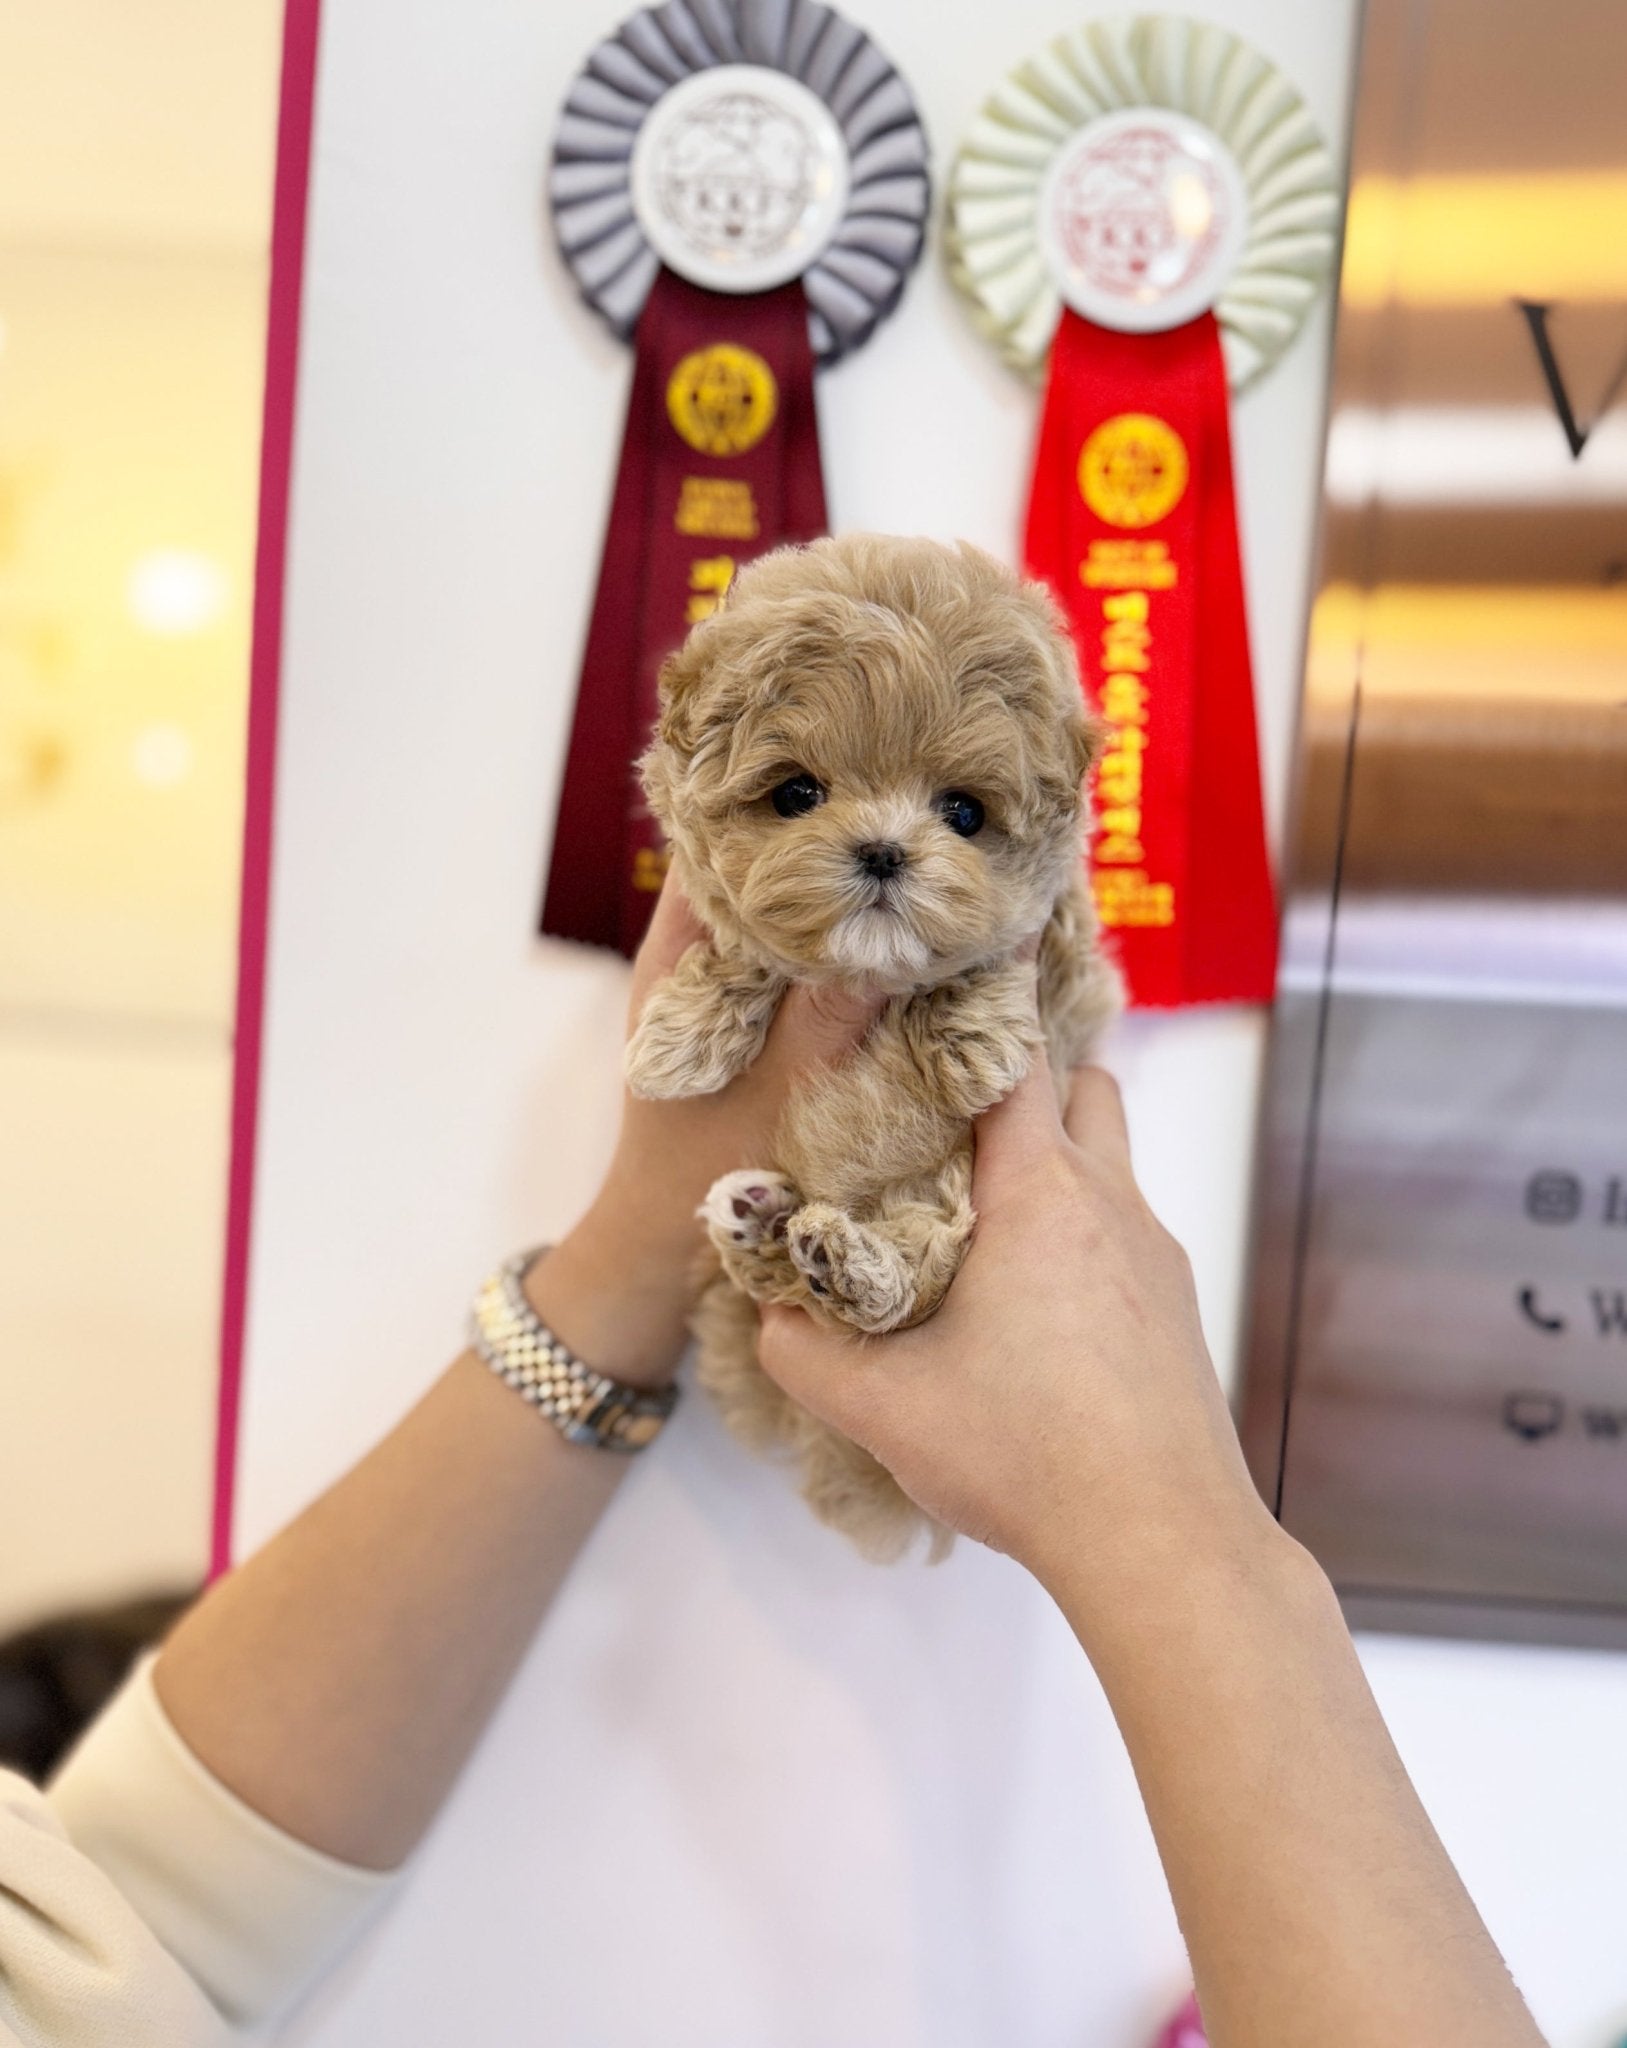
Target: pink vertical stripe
{"x":300,"y":18}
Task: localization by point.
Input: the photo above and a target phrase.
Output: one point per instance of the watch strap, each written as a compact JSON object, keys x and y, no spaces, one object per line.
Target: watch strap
{"x":586,"y":1406}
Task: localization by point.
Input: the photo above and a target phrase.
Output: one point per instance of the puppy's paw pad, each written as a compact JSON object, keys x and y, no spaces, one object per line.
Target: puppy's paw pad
{"x":812,"y":1257}
{"x":748,"y":1209}
{"x":846,"y":1265}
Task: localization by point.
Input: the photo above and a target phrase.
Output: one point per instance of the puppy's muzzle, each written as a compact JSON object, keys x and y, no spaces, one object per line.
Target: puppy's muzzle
{"x":881,"y":859}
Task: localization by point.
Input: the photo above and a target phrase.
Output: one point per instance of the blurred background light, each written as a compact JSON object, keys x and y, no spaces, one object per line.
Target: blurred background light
{"x":1459,"y":240}
{"x":173,"y":590}
{"x":135,"y":204}
{"x":162,"y":756}
{"x":1472,"y":455}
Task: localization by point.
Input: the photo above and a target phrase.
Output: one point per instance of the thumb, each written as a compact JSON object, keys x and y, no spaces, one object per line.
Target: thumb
{"x":673,"y":929}
{"x":1011,"y":1138}
{"x":1095,"y":1118}
{"x":818,"y":1022}
{"x":823,"y":1370}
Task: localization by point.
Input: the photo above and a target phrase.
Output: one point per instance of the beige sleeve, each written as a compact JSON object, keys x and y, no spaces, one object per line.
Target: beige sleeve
{"x":251,"y":1915}
{"x":78,"y":1968}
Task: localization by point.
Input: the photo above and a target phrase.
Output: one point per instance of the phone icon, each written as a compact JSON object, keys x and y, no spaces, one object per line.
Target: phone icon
{"x":1532,"y":1312}
{"x":1533,"y":1416}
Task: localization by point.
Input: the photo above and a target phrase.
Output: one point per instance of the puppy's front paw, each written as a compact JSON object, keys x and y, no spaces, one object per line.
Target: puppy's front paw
{"x":700,"y":1028}
{"x":974,"y":1039}
{"x":848,"y":1267}
{"x":665,"y":1062}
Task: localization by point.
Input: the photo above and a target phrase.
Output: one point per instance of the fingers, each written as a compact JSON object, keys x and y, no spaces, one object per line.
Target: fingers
{"x":674,"y":928}
{"x":1016,"y":1133}
{"x":816,"y":1024}
{"x":1095,"y":1117}
{"x":821,"y":1369}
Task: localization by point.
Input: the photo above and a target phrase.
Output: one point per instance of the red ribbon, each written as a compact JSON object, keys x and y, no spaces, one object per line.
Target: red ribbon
{"x":719,"y":462}
{"x":1133,"y":523}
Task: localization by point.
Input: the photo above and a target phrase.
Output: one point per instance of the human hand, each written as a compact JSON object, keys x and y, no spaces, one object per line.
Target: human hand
{"x":1061,"y":1404}
{"x":618,"y":1288}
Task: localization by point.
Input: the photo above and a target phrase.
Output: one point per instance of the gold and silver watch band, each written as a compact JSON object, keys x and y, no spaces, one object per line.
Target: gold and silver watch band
{"x":585,"y":1406}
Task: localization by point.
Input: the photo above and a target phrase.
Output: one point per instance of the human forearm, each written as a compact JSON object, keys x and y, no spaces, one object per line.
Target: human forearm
{"x":1062,"y":1405}
{"x":1316,"y":1900}
{"x":618,"y":1288}
{"x":337,"y":1681}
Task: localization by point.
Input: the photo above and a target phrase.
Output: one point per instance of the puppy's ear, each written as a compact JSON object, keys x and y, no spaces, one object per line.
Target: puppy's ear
{"x":1084,"y":734}
{"x":1087,"y":734}
{"x":684,"y":677}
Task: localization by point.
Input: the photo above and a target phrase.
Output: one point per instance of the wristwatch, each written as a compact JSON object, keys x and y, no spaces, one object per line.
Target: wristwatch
{"x":585,"y":1406}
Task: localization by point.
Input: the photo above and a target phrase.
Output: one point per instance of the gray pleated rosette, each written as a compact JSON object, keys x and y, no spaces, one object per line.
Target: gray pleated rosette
{"x":826,"y":175}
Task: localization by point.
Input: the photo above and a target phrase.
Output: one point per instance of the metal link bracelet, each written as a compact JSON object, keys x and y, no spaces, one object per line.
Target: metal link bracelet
{"x":585,"y":1406}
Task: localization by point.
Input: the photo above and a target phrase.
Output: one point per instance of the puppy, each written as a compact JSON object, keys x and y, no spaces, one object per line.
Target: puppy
{"x":868,"y":765}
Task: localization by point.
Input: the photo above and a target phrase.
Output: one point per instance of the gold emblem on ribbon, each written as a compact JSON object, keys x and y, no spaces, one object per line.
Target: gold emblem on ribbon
{"x":1133,"y":470}
{"x":722,"y":399}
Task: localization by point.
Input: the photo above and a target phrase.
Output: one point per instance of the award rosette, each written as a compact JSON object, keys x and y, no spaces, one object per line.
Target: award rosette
{"x":1147,"y":205}
{"x":740,"y":188}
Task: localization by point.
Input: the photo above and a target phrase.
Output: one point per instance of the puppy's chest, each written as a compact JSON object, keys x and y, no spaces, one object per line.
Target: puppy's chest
{"x":894,"y":1117}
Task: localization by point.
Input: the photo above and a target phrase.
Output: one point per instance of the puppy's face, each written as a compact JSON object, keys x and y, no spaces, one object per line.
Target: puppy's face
{"x":869,"y":762}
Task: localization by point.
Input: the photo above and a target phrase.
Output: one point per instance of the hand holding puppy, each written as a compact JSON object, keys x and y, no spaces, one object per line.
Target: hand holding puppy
{"x":619,"y":1287}
{"x":1061,"y":1404}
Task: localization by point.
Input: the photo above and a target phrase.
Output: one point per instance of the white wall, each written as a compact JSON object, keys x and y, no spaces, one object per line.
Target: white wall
{"x":748,"y":1792}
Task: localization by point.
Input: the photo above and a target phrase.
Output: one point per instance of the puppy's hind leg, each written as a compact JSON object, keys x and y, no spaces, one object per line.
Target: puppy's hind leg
{"x":753,"y":1408}
{"x":892,"y":1269}
{"x":845,"y":1486}
{"x":855,"y":1273}
{"x":851,"y":1491}
{"x":745,"y":1214}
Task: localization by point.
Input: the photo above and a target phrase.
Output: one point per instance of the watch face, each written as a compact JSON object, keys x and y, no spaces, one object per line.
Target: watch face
{"x":1143,"y":215}
{"x":739,"y":178}
{"x":635,"y":1431}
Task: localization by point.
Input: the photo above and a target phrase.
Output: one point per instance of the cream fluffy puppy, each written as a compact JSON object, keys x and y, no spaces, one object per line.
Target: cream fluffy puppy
{"x":868,"y":765}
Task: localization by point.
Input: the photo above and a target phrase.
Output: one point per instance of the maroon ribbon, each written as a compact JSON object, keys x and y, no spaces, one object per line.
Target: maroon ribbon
{"x":719,"y":462}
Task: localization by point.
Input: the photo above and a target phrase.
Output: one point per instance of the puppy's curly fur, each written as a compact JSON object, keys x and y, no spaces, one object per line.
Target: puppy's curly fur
{"x":868,"y":765}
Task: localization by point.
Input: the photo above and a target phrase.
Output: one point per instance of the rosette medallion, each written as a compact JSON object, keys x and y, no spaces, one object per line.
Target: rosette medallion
{"x":1146,"y":210}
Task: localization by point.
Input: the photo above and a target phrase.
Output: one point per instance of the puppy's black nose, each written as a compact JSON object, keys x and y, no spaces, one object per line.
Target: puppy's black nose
{"x":880,"y":857}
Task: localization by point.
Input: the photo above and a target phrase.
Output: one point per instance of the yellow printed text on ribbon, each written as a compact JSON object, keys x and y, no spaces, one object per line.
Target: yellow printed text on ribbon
{"x":1126,"y":895}
{"x":720,"y":507}
{"x":709,"y":580}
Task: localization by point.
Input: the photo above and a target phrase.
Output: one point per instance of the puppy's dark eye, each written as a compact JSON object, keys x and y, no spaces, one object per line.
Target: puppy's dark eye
{"x":961,"y":813}
{"x":797,"y":795}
